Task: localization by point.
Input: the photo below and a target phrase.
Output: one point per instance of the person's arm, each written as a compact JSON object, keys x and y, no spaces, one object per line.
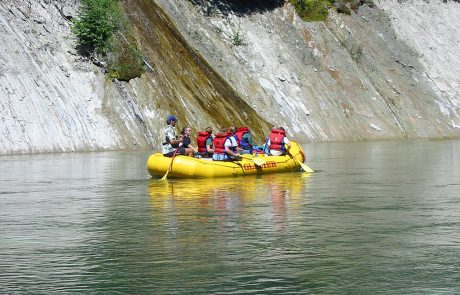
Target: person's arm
{"x":173,"y":140}
{"x":287,"y":142}
{"x":234,"y":143}
{"x":227,"y":145}
{"x":209,"y":148}
{"x":194,"y":149}
{"x":230,"y":152}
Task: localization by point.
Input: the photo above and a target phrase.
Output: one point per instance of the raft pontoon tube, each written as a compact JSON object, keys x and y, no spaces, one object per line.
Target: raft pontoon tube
{"x":189,"y":167}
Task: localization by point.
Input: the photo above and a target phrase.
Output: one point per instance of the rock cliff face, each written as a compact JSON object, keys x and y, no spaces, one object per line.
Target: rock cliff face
{"x":385,"y":72}
{"x":51,"y":99}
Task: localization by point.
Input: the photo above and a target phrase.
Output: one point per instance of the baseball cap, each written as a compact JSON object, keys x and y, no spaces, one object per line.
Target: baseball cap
{"x":171,"y":118}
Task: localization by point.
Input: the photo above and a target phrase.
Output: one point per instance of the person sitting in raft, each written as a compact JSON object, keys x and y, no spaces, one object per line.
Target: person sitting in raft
{"x":245,"y":140}
{"x":222,"y":144}
{"x":185,"y":148}
{"x":171,"y":142}
{"x":232,"y":149}
{"x":204,"y":143}
{"x":277,"y":142}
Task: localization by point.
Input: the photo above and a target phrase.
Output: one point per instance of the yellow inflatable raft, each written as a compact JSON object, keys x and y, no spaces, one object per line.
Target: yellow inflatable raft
{"x":189,"y":167}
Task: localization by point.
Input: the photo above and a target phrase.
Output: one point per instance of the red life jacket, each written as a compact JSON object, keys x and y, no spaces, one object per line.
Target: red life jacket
{"x":201,"y":141}
{"x":239,"y":134}
{"x":219,"y":143}
{"x":277,"y":140}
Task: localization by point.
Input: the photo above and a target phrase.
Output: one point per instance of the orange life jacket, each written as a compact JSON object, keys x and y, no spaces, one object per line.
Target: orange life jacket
{"x":219,"y":143}
{"x":277,"y":140}
{"x":201,"y":141}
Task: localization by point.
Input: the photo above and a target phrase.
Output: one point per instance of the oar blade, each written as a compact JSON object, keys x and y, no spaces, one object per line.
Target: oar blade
{"x":256,"y":160}
{"x":306,"y":168}
{"x":259,"y":161}
{"x":165,"y":177}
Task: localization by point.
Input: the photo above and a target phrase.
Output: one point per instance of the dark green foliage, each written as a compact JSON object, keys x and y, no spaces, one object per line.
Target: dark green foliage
{"x":101,"y":31}
{"x":312,"y":10}
{"x":96,"y":22}
{"x":124,"y":60}
{"x":237,"y":39}
{"x":317,"y":10}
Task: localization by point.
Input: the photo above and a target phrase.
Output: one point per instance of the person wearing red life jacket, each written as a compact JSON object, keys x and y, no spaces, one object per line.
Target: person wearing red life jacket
{"x":204,"y":143}
{"x":219,"y":145}
{"x":277,"y":142}
{"x":225,"y":145}
{"x":245,"y":140}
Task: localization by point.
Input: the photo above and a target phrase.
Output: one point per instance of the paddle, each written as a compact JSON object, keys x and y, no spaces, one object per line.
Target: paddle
{"x":257,"y":161}
{"x":304,"y":166}
{"x":170,"y":166}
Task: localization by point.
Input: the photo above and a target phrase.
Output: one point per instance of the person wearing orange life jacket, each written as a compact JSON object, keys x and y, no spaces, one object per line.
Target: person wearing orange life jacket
{"x":219,"y":145}
{"x":225,"y":145}
{"x":204,"y":143}
{"x":278,"y":141}
{"x":245,"y":140}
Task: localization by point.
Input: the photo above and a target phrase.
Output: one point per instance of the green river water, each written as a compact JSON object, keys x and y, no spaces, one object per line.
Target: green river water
{"x":376,"y":218}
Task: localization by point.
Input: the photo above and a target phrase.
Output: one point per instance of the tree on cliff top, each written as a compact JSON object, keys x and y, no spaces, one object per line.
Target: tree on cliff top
{"x":95,"y":24}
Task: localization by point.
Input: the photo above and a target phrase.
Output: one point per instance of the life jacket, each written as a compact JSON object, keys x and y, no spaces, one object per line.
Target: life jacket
{"x":219,"y":143}
{"x":240,"y":132}
{"x":277,"y":140}
{"x":201,"y":141}
{"x":234,"y":143}
{"x":242,"y":142}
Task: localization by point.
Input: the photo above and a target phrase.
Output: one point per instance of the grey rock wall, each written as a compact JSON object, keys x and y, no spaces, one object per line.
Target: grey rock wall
{"x":349,"y":78}
{"x":51,"y":99}
{"x":386,"y":72}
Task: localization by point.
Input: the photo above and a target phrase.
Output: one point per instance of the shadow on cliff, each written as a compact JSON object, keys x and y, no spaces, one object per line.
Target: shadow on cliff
{"x":238,"y":7}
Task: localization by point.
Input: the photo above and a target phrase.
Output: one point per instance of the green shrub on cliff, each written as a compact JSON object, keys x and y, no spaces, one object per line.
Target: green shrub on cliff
{"x":124,"y":60}
{"x":101,"y":31}
{"x":312,"y":10}
{"x":95,"y":24}
{"x":317,"y":10}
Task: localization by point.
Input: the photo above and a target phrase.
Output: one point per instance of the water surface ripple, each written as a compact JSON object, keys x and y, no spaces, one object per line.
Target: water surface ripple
{"x":377,"y":218}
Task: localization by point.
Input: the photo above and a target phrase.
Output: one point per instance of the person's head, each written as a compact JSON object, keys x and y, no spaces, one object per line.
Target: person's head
{"x":223,"y":130}
{"x":232,"y":129}
{"x":171,"y":120}
{"x":281,"y":128}
{"x":209,"y":130}
{"x":186,"y":131}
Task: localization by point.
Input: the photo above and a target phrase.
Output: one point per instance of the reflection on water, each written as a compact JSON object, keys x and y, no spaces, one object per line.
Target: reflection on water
{"x":271,"y":197}
{"x":376,"y":218}
{"x":250,"y":188}
{"x":233,"y":227}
